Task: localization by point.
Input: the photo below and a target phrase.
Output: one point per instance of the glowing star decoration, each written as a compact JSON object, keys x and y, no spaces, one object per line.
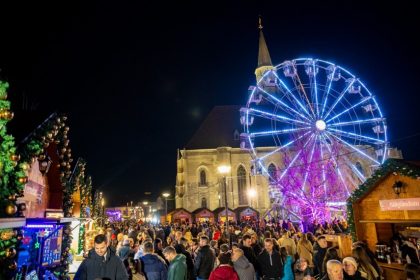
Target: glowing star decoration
{"x":36,"y":245}
{"x":325,"y":123}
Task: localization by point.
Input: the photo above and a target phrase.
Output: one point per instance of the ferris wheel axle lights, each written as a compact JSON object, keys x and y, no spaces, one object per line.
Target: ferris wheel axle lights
{"x":320,"y":125}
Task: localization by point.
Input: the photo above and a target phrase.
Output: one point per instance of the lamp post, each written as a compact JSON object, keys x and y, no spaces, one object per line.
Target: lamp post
{"x":251,"y":194}
{"x":166,"y":195}
{"x":224,"y":170}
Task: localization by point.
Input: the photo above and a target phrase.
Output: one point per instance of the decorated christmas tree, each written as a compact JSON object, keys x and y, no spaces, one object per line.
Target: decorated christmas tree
{"x":12,"y":174}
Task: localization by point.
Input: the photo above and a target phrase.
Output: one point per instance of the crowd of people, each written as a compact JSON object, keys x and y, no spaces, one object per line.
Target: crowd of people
{"x":246,"y":251}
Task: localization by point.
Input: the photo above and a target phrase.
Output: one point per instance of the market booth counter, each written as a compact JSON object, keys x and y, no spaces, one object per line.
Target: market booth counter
{"x":386,"y":205}
{"x":203,"y":215}
{"x":220,"y":214}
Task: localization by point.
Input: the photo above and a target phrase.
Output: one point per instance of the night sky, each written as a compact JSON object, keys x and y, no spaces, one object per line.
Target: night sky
{"x":137,"y":80}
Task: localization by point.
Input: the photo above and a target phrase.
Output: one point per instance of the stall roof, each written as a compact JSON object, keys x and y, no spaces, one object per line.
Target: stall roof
{"x":177,"y":210}
{"x":242,"y":208}
{"x":403,"y":167}
{"x":201,"y":209}
{"x":220,"y":209}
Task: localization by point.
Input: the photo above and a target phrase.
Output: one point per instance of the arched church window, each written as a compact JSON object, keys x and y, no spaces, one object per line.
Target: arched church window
{"x":203,"y":178}
{"x":272,"y":171}
{"x":242,"y":185}
{"x":203,"y":202}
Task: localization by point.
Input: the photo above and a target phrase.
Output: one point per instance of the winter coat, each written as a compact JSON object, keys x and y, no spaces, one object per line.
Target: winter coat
{"x":299,"y":275}
{"x":178,"y":268}
{"x":356,"y":276}
{"x":224,"y":272}
{"x":95,"y":266}
{"x":189,"y":261}
{"x":319,"y":254}
{"x":287,"y":269}
{"x":124,"y":252}
{"x":244,"y":268}
{"x":271,"y":266}
{"x":154,"y":267}
{"x":204,"y":262}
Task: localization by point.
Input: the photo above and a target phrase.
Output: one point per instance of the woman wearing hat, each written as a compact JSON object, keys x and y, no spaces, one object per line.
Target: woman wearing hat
{"x":350,"y":269}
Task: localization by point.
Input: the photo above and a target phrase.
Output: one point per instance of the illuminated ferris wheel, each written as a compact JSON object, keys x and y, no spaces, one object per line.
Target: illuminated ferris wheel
{"x":323,"y":124}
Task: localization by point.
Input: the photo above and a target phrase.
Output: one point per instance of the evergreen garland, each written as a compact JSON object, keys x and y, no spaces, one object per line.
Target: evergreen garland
{"x":390,"y":166}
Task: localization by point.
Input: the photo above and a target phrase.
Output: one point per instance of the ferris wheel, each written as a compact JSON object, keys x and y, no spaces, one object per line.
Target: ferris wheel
{"x":321,"y":123}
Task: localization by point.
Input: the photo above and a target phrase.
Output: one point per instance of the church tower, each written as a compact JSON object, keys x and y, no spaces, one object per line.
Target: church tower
{"x":264,"y":59}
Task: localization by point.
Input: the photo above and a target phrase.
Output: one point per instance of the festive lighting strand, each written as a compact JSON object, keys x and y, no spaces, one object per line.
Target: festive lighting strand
{"x":336,"y":164}
{"x":357,"y":136}
{"x":354,"y":148}
{"x":282,"y":103}
{"x":323,"y":167}
{"x":294,"y":159}
{"x":278,"y":117}
{"x":293,"y":96}
{"x":357,"y":171}
{"x":309,"y":166}
{"x":303,"y":90}
{"x":274,"y":132}
{"x":284,"y":146}
{"x":328,"y":91}
{"x":338,"y":99}
{"x":348,"y":109}
{"x":358,"y":122}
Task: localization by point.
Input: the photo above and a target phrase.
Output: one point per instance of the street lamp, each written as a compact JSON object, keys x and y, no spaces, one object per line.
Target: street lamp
{"x":166,"y":195}
{"x":224,"y":170}
{"x":252,"y":193}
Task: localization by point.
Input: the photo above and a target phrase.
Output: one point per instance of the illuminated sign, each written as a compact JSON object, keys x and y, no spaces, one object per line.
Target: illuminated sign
{"x":400,"y":204}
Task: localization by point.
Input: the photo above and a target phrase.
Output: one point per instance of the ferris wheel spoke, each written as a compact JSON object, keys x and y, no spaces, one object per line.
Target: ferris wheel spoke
{"x":323,"y":167}
{"x":357,"y":136}
{"x":275,"y":101}
{"x":328,"y":92}
{"x":374,"y":120}
{"x":295,"y":158}
{"x":354,"y":148}
{"x":271,"y":116}
{"x":291,"y":94}
{"x":276,"y":132}
{"x":336,"y":164}
{"x":339,"y":98}
{"x":284,"y":146}
{"x":348,"y":109}
{"x":302,"y":88}
{"x":315,"y":89}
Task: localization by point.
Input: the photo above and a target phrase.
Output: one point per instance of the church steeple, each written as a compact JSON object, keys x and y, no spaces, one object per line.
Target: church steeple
{"x":264,"y":59}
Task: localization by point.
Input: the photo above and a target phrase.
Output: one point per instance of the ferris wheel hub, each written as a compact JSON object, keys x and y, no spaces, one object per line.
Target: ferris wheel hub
{"x":320,"y":125}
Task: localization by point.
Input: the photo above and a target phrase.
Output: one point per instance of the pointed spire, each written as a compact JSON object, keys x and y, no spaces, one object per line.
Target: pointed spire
{"x":264,"y":58}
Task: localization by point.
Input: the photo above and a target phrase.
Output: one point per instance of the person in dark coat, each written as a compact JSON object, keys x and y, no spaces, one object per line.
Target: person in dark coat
{"x":101,"y":263}
{"x":320,"y":249}
{"x":154,"y":267}
{"x":183,"y":243}
{"x":204,"y":261}
{"x":269,"y":261}
{"x":249,"y":251}
{"x":242,"y":266}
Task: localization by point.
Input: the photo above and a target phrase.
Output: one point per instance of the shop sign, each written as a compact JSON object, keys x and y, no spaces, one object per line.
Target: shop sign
{"x":400,"y":204}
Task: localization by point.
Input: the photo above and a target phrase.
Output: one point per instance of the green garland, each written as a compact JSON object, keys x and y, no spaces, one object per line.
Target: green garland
{"x":390,"y":166}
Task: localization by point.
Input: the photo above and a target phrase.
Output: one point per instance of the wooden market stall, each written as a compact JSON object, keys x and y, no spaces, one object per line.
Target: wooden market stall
{"x":180,"y":215}
{"x":203,"y":215}
{"x":388,"y":204}
{"x":220,"y":214}
{"x":247,"y":213}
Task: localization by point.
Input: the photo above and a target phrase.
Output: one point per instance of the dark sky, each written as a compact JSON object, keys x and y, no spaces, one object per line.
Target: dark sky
{"x":136,"y":80}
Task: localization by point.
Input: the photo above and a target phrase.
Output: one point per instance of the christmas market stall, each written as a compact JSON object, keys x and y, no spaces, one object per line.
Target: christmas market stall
{"x":180,"y":215}
{"x":203,"y":215}
{"x":220,"y":214}
{"x":246,"y":213}
{"x":384,"y":209}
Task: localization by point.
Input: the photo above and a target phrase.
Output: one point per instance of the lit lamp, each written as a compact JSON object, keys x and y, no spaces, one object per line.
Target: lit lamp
{"x":44,"y":165}
{"x":397,"y":187}
{"x":166,"y":195}
{"x":224,"y":170}
{"x":251,"y":194}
